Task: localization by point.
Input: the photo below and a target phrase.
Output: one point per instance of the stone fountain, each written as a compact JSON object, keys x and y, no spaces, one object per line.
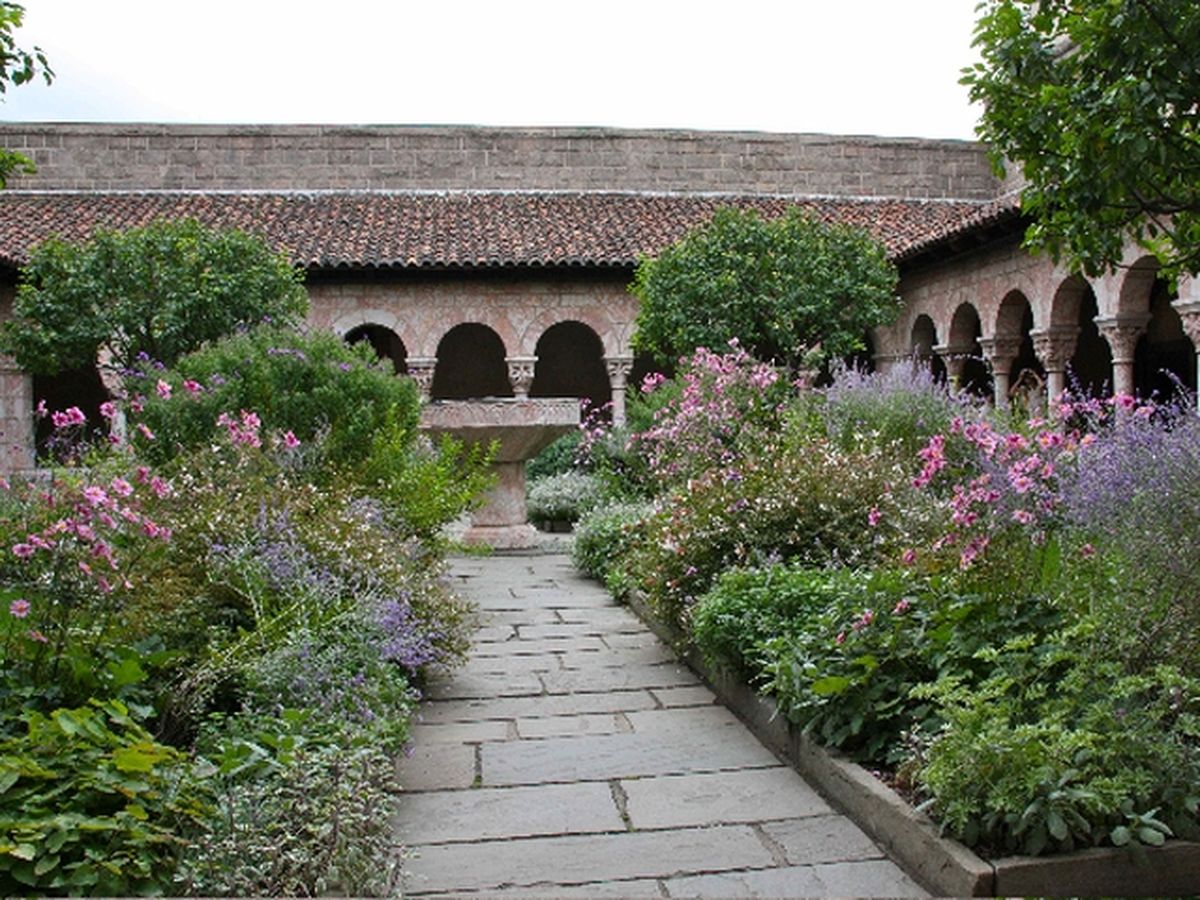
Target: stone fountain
{"x":519,"y":427}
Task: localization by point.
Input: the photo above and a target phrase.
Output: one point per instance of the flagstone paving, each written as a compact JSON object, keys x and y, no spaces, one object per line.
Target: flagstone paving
{"x":574,"y":756}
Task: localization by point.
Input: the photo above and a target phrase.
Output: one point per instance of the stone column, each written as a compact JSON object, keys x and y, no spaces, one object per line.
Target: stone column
{"x":1189,"y":316}
{"x":1055,"y":346}
{"x":420,"y":370}
{"x":1122,"y":333}
{"x":955,"y":358}
{"x":16,"y":418}
{"x":885,"y":362}
{"x":520,"y":374}
{"x":1000,"y":353}
{"x":618,"y":368}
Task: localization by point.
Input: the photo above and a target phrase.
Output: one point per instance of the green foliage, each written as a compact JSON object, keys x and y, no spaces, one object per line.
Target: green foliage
{"x":1096,"y":103}
{"x":92,"y":804}
{"x":555,"y":459}
{"x":162,"y":290}
{"x":781,"y":286}
{"x":603,"y":538}
{"x":564,"y":497}
{"x":304,"y":809}
{"x":310,"y":383}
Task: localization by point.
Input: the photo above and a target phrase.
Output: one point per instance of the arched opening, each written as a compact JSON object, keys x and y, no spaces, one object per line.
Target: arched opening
{"x":965,"y":331}
{"x":1165,"y":359}
{"x":921,"y":343}
{"x":385,"y":342}
{"x":570,"y":363}
{"x":470,"y":365}
{"x":80,"y":387}
{"x":1090,"y":369}
{"x":1014,"y":320}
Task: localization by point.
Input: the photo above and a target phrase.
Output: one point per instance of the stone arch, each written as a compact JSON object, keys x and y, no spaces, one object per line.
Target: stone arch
{"x":922,"y":339}
{"x":470,"y":364}
{"x":964,"y":349}
{"x":1133,"y":297}
{"x":1014,"y":323}
{"x":1090,"y":368}
{"x":382,"y":318}
{"x":570,"y":363}
{"x":1164,"y":359}
{"x":613,"y":340}
{"x":385,"y":342}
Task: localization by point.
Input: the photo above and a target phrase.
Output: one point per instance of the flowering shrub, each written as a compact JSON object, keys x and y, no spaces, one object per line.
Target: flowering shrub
{"x":603,"y":537}
{"x":564,"y":497}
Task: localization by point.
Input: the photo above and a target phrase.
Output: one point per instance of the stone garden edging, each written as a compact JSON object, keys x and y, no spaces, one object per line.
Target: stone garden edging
{"x":944,"y":866}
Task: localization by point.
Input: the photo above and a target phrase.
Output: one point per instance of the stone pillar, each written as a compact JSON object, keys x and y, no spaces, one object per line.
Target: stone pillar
{"x":1001,"y":353}
{"x":955,"y":358}
{"x":618,"y":368}
{"x":420,"y":370}
{"x":1055,"y":346}
{"x":1189,"y":316}
{"x":520,"y":374}
{"x":886,"y":362}
{"x":1122,"y":333}
{"x":16,"y":418}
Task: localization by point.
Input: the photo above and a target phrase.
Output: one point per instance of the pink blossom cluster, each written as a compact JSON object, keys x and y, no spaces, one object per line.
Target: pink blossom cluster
{"x":242,"y":429}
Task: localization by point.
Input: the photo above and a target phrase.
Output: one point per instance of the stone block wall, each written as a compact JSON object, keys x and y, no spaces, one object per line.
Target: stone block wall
{"x":321,"y":157}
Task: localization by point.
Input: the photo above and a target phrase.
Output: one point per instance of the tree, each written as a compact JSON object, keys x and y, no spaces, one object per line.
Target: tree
{"x":1098,"y":103}
{"x":17,"y":67}
{"x":162,"y":290}
{"x":780,"y":286}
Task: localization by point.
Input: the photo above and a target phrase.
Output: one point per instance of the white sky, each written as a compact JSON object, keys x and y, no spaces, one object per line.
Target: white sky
{"x":886,"y":67}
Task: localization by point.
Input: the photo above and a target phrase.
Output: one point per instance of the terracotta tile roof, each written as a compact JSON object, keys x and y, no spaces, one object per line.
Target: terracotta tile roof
{"x":457,"y":229}
{"x":1001,"y":215}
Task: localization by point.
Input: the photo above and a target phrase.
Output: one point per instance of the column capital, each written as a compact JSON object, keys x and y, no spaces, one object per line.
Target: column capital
{"x":420,"y":370}
{"x":955,"y":357}
{"x":1000,"y":351}
{"x":1055,"y":346}
{"x":1122,"y":333}
{"x":520,"y":373}
{"x":1189,"y":317}
{"x":618,"y":367}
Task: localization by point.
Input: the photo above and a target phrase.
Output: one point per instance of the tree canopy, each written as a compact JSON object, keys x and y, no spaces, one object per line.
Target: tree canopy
{"x":17,"y":66}
{"x":780,"y":286}
{"x":162,"y":290}
{"x":1098,"y":103}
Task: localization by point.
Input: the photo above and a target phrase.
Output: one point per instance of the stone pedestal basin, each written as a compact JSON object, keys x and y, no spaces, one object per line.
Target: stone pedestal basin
{"x":521,"y":428}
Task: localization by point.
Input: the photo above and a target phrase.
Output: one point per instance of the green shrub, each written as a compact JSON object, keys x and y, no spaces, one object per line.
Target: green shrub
{"x":604,"y":536}
{"x":564,"y":497}
{"x":93,"y":804}
{"x":307,"y":383}
{"x":559,"y":457}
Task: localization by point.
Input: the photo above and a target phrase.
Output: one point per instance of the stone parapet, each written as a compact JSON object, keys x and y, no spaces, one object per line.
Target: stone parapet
{"x":404,"y":157}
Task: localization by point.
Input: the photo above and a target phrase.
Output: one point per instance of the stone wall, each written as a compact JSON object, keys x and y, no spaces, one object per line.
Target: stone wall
{"x":313,"y":157}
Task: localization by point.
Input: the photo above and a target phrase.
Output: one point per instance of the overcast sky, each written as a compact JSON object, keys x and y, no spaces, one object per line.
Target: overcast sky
{"x":886,"y":67}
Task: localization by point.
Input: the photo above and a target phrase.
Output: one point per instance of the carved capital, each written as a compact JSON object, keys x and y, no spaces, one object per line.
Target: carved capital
{"x":420,"y":370}
{"x":1000,"y":352}
{"x":955,"y":357}
{"x":1055,"y":346}
{"x":1122,"y":333}
{"x":1189,"y":316}
{"x":520,"y":373}
{"x":618,"y":368}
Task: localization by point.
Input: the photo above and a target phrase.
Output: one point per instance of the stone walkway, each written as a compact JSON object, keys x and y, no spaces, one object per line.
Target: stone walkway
{"x":573,"y":756}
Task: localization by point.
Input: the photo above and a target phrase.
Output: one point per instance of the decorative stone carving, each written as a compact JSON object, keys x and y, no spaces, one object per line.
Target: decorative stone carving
{"x":520,"y":374}
{"x":1122,"y":333}
{"x":420,"y":370}
{"x":1189,"y":316}
{"x":955,"y":357}
{"x":618,"y":368}
{"x":1000,"y":353}
{"x":1055,"y":346}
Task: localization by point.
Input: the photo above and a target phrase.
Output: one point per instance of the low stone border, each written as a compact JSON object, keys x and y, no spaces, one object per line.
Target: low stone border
{"x":944,"y":866}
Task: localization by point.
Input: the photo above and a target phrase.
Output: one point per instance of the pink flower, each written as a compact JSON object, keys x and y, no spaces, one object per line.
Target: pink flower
{"x":290,"y":440}
{"x":1087,"y":551}
{"x":71,"y":416}
{"x":652,"y":381}
{"x":19,"y":608}
{"x":909,"y":557}
{"x":874,"y":516}
{"x":865,"y":618}
{"x":108,"y":409}
{"x":23,"y":551}
{"x":901,"y":607}
{"x":142,"y":474}
{"x":841,"y":638}
{"x":192,"y":387}
{"x":160,"y":487}
{"x":34,"y":635}
{"x":40,"y":410}
{"x":121,"y":487}
{"x":163,"y":389}
{"x":94,"y":495}
{"x":146,"y":432}
{"x":1023,"y":516}
{"x":137,"y":404}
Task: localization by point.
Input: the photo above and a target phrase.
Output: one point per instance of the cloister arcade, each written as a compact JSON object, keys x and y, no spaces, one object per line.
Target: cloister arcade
{"x":1003,"y":324}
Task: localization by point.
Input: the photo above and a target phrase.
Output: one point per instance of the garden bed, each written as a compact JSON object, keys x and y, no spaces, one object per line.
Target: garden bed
{"x":943,"y":866}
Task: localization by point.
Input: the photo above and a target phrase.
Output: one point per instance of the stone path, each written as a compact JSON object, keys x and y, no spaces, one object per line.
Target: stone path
{"x":573,"y":756}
